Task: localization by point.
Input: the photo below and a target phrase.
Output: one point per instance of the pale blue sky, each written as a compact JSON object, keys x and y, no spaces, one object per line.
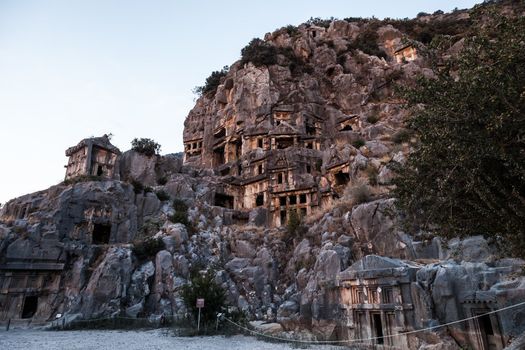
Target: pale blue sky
{"x":71,"y":69}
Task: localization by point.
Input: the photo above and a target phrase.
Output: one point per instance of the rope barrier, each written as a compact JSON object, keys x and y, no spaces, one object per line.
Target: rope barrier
{"x":362,"y":340}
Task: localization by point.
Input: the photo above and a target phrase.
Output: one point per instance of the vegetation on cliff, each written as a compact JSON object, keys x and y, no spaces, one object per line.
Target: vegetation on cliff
{"x":145,"y":146}
{"x":212,"y":82}
{"x":202,"y":285}
{"x":467,"y":173}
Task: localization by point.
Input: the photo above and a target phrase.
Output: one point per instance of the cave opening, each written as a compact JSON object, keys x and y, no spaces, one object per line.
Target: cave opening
{"x":284,"y":143}
{"x":342,"y":178}
{"x":223,"y":200}
{"x":259,"y":200}
{"x":101,"y":233}
{"x":378,"y":328}
{"x":218,"y":156}
{"x":30,"y":306}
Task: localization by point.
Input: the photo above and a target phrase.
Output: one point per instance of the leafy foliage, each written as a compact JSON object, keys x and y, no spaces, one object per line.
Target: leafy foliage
{"x":162,"y":180}
{"x":145,"y":146}
{"x":162,"y":195}
{"x":138,"y":187}
{"x":401,"y":136}
{"x":319,"y":22}
{"x":147,"y":247}
{"x":180,"y":205}
{"x":467,"y":173}
{"x":181,"y":213}
{"x":179,"y":217}
{"x":202,"y":285}
{"x":293,"y":223}
{"x":367,"y":42}
{"x":212,"y":82}
{"x":259,"y":52}
{"x":358,"y":143}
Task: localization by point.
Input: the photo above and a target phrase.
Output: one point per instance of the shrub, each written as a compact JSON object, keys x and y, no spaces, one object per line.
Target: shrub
{"x":180,"y":205}
{"x":179,"y":217}
{"x":145,"y":146}
{"x":259,"y":52}
{"x":202,"y":285}
{"x":360,"y":194}
{"x":401,"y":136}
{"x":148,"y":189}
{"x":293,"y":224}
{"x":212,"y":82}
{"x":367,"y":42}
{"x":138,"y":187}
{"x":162,"y":195}
{"x":358,"y":143}
{"x":291,"y":30}
{"x":319,"y":22}
{"x":163,"y":180}
{"x":372,"y":119}
{"x":147,"y":247}
{"x":372,"y":173}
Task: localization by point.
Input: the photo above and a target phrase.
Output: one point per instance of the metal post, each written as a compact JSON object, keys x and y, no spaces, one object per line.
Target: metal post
{"x":8,"y":325}
{"x":199,"y":321}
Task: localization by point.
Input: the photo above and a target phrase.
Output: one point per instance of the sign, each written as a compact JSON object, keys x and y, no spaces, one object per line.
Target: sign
{"x":200,"y":303}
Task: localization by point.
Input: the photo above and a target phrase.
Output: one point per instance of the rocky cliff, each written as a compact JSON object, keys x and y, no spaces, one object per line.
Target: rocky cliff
{"x":321,"y":120}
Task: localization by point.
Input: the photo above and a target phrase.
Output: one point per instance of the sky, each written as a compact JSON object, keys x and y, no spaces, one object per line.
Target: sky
{"x":71,"y":69}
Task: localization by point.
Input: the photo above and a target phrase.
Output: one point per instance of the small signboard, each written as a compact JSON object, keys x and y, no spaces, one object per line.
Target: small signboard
{"x":200,"y":303}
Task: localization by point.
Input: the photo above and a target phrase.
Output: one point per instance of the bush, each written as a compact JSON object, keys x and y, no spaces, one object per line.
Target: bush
{"x":319,"y":22}
{"x":259,"y":52}
{"x":372,"y":173}
{"x":162,"y":181}
{"x":291,"y":30}
{"x":293,"y":224}
{"x":202,"y":285}
{"x":147,"y":247}
{"x":162,"y":195}
{"x":212,"y":82}
{"x":138,"y":187}
{"x":358,"y":143}
{"x":145,"y":146}
{"x":401,"y":136}
{"x":179,"y":217}
{"x":372,"y":119}
{"x":360,"y":194}
{"x":367,"y":42}
{"x":180,"y":205}
{"x":148,"y":189}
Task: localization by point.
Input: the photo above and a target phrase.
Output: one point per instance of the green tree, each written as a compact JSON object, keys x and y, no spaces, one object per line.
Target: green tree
{"x":212,"y":82}
{"x":467,"y":172}
{"x":145,"y":146}
{"x":259,"y":52}
{"x":202,"y":285}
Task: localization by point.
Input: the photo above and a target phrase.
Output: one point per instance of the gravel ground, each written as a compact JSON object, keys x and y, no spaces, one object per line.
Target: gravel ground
{"x":130,"y":340}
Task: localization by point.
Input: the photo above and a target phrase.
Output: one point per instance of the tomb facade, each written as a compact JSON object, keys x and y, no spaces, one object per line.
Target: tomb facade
{"x":94,"y":156}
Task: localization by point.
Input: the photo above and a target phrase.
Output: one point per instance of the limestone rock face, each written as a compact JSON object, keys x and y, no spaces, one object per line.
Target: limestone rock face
{"x":314,"y":135}
{"x":375,"y":228}
{"x":148,"y":170}
{"x":102,"y":294}
{"x":282,"y":136}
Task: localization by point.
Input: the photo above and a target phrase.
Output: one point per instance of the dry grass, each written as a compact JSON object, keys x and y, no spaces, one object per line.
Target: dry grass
{"x":357,"y":192}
